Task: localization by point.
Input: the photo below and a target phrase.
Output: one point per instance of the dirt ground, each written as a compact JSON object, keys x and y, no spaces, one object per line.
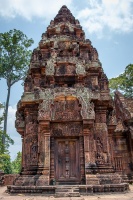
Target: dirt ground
{"x":123,"y":196}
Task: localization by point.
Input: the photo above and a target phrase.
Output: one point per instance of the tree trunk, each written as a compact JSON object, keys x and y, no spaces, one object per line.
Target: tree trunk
{"x":6,"y":114}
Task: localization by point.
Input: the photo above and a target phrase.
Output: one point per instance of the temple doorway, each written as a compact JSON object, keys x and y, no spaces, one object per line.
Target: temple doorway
{"x":66,"y":141}
{"x":67,"y":166}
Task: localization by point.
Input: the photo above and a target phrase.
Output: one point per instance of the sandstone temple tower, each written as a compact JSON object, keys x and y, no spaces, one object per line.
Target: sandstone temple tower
{"x":66,"y":116}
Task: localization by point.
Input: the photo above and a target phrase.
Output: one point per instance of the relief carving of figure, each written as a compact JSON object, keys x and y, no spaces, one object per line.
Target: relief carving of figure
{"x":104,"y":82}
{"x":39,"y":55}
{"x":66,"y":110}
{"x":37,"y":82}
{"x":75,"y":48}
{"x":44,"y":110}
{"x":91,"y":111}
{"x":65,"y":30}
{"x":50,"y":67}
{"x":31,"y":127}
{"x":94,"y":55}
{"x":28,"y":117}
{"x":43,"y":82}
{"x":99,"y":145}
{"x":99,"y":158}
{"x":36,"y":55}
{"x":37,"y":93}
{"x":54,"y":53}
{"x":62,"y":46}
{"x":80,"y":68}
{"x":34,"y":152}
{"x":56,"y":45}
{"x":28,"y":84}
{"x":70,"y":69}
{"x":99,"y":154}
{"x":88,"y":83}
{"x":19,"y":119}
{"x":112,"y":118}
{"x":87,"y":110}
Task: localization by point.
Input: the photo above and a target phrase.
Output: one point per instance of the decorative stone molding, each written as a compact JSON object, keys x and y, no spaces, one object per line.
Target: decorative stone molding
{"x":28,"y":97}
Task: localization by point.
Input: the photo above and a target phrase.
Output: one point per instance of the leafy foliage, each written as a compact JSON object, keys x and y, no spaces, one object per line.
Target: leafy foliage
{"x":5,"y":162}
{"x":16,"y":164}
{"x":8,"y":141}
{"x":124,"y":82}
{"x":14,"y":55}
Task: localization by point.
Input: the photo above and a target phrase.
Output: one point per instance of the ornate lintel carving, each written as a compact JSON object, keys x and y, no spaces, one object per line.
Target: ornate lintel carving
{"x":66,"y":129}
{"x":82,"y":94}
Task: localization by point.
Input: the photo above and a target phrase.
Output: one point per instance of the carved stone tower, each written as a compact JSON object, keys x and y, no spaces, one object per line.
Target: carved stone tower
{"x":62,"y":115}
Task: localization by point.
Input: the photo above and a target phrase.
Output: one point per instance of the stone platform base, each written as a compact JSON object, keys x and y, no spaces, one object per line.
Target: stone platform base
{"x":67,"y":190}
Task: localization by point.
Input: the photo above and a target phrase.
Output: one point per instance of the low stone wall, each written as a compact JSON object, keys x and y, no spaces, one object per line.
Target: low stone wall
{"x":1,"y":178}
{"x":10,"y":178}
{"x":81,"y":189}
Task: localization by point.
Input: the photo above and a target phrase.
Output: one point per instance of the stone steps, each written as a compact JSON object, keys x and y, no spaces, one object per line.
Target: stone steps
{"x":67,"y":191}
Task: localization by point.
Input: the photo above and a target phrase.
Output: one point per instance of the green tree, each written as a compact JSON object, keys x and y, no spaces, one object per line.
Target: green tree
{"x":1,"y":117}
{"x":123,"y":82}
{"x":16,"y":164}
{"x":5,"y":162}
{"x":14,"y":61}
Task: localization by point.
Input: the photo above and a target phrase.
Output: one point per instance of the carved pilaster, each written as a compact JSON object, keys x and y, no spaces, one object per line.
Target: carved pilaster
{"x":30,"y":142}
{"x":44,"y":152}
{"x":89,"y":147}
{"x":23,"y":153}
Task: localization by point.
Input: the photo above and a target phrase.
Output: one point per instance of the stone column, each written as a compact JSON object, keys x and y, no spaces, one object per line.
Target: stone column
{"x":89,"y":152}
{"x":103,"y":157}
{"x":86,"y":132}
{"x":30,"y":148}
{"x":44,"y":153}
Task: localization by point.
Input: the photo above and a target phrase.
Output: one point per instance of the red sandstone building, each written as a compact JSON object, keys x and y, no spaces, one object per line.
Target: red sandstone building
{"x":73,"y":133}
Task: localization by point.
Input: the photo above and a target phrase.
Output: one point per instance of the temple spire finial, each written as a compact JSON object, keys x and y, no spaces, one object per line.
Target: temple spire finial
{"x":64,"y":15}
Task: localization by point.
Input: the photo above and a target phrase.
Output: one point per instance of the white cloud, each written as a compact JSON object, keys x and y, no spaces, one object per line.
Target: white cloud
{"x":11,"y":130}
{"x":102,"y":14}
{"x":31,"y":8}
{"x":96,"y":17}
{"x":11,"y":119}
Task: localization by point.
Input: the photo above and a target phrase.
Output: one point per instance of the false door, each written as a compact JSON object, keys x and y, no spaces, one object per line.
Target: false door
{"x":67,"y":160}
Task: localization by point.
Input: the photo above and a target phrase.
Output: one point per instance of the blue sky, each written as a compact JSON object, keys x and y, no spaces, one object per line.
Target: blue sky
{"x":107,"y":23}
